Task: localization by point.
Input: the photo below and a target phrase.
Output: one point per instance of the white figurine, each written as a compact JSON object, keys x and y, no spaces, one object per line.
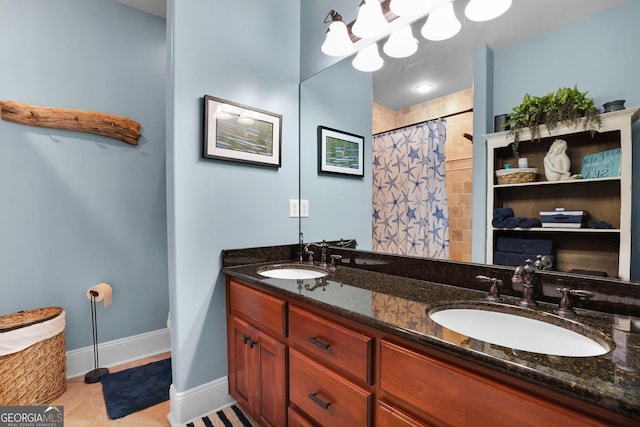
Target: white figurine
{"x":556,"y":162}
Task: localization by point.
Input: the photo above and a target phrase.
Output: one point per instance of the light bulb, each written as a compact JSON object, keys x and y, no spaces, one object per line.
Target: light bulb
{"x":370,"y":23}
{"x":401,"y":43}
{"x":337,"y":42}
{"x":441,"y":24}
{"x":368,"y":59}
{"x":485,"y":10}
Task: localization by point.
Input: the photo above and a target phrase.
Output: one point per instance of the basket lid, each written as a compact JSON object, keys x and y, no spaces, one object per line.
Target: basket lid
{"x":21,"y":319}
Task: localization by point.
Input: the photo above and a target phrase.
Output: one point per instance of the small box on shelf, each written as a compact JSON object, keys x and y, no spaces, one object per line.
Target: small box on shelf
{"x":563,"y":219}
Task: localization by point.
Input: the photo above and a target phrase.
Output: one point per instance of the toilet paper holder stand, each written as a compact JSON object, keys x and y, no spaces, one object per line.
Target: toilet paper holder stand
{"x":96,"y":374}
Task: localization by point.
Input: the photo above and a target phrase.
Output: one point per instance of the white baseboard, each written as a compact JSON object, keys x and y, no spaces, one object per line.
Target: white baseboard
{"x":198,"y":401}
{"x":118,"y":352}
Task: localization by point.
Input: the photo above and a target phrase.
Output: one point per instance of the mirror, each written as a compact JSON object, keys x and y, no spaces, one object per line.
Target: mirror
{"x":329,"y":99}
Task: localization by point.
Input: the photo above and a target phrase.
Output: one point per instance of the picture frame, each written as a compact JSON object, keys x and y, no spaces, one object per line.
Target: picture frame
{"x":340,"y":152}
{"x":239,"y":133}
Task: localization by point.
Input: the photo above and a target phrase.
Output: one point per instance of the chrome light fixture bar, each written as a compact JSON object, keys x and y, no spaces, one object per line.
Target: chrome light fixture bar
{"x":393,"y":18}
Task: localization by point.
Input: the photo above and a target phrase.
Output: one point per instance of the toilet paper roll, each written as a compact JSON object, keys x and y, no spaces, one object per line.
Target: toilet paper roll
{"x":102,"y":292}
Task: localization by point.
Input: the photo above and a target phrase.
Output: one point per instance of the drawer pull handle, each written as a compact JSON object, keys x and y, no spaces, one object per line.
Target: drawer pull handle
{"x":319,"y":343}
{"x":245,"y":338}
{"x":252,"y":343}
{"x":316,"y":399}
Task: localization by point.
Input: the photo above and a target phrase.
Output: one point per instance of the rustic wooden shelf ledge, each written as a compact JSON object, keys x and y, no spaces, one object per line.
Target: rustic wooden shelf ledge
{"x":109,"y":125}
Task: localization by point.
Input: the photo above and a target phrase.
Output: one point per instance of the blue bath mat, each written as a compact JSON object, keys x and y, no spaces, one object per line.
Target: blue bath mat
{"x":136,"y":388}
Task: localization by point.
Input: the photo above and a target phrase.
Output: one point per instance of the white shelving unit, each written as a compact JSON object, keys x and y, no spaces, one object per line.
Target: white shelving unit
{"x":606,"y":199}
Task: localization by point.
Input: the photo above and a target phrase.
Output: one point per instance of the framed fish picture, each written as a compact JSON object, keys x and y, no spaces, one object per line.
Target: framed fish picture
{"x":239,"y":133}
{"x":340,"y":152}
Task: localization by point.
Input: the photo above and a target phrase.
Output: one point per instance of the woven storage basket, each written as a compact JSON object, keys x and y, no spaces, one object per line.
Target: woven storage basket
{"x":516,"y":176}
{"x":37,"y":374}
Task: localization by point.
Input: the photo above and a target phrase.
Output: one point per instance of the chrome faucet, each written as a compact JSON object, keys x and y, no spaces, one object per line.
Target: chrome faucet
{"x":525,"y":276}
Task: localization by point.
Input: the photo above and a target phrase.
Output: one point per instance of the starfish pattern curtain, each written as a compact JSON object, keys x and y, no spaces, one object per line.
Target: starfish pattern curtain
{"x":410,"y":215}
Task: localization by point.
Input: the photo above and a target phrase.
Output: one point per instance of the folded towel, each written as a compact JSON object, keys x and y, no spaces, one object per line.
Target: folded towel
{"x":515,"y":222}
{"x":524,"y":246}
{"x":529,"y":223}
{"x":513,"y":259}
{"x":502,"y":213}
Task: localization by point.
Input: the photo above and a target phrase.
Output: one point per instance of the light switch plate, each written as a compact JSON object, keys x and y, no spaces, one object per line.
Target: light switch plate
{"x":304,"y":208}
{"x":294,"y":208}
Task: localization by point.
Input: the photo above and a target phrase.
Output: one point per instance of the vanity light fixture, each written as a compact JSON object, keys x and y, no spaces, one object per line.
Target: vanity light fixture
{"x":368,"y":59}
{"x":373,"y":24}
{"x":370,"y":23}
{"x":401,"y":43}
{"x":410,"y":8}
{"x":441,"y":24}
{"x":485,"y":10}
{"x":338,"y":41}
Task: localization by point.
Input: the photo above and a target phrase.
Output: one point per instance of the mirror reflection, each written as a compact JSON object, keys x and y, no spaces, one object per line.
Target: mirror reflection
{"x":343,"y":98}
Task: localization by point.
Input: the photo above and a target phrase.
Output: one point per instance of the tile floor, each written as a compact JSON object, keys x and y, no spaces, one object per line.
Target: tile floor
{"x":84,"y":404}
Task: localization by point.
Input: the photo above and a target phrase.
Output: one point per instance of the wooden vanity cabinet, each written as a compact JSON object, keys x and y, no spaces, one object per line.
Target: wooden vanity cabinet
{"x":327,"y":370}
{"x":257,"y":360}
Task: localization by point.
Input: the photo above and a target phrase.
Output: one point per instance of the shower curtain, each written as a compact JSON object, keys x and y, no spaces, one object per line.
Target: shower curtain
{"x":410,"y":215}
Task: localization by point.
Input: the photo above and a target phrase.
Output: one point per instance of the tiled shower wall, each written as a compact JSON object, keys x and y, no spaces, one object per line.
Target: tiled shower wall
{"x":458,"y":157}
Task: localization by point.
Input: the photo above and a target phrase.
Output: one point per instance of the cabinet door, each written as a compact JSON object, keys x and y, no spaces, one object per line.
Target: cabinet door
{"x":241,"y":379}
{"x":270,"y":360}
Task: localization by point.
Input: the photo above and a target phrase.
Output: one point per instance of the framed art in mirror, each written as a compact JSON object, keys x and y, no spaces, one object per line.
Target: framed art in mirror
{"x":340,"y":152}
{"x":239,"y":133}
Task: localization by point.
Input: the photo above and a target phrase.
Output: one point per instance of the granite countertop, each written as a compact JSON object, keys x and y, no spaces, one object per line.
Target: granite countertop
{"x":400,"y":306}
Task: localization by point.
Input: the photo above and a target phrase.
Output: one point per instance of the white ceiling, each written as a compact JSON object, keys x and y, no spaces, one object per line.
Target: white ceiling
{"x":447,"y":64}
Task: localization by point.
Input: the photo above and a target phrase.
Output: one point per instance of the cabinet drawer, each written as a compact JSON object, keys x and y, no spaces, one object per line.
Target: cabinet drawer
{"x":458,"y":397}
{"x":262,"y":309}
{"x":335,"y":344}
{"x":326,"y":397}
{"x":388,"y":416}
{"x":297,"y":420}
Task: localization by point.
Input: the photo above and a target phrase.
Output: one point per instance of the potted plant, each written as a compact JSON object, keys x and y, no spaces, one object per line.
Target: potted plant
{"x":565,"y":106}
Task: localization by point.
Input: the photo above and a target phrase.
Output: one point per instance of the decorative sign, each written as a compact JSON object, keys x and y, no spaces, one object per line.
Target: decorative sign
{"x":605,"y":164}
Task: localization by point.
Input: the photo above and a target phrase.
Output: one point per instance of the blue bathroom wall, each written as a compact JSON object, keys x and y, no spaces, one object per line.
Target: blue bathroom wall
{"x":593,"y":53}
{"x":77,"y":209}
{"x":340,"y":98}
{"x":248,"y":52}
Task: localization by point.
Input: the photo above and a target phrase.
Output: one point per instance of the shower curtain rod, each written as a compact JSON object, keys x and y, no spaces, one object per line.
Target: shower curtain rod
{"x":469,"y":110}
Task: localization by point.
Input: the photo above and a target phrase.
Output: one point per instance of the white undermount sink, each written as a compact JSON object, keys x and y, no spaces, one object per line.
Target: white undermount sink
{"x":517,"y":332}
{"x":293,"y":271}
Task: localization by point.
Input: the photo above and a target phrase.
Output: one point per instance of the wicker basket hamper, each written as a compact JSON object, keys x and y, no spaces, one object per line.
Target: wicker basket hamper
{"x":36,"y":374}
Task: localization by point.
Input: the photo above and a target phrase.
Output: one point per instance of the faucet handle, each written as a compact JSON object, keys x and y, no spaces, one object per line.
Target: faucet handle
{"x":494,"y":291}
{"x":335,"y":258}
{"x":565,"y":308}
{"x":310,"y":259}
